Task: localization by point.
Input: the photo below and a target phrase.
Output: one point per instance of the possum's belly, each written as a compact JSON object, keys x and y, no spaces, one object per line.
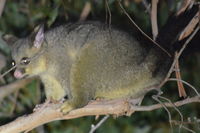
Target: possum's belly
{"x":133,"y":88}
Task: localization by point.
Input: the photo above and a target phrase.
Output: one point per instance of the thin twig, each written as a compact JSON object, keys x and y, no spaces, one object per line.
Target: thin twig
{"x":195,"y":99}
{"x":2,"y":4}
{"x":184,"y":127}
{"x":189,"y":130}
{"x":5,"y":73}
{"x":12,"y":87}
{"x":109,"y":13}
{"x":14,"y":100}
{"x":155,"y":97}
{"x":187,"y":42}
{"x":180,"y":80}
{"x":190,"y":27}
{"x":174,"y":106}
{"x":184,"y":5}
{"x":95,"y":127}
{"x":147,"y":6}
{"x":178,"y":56}
{"x":181,"y":88}
{"x":154,"y":24}
{"x":141,"y":29}
{"x":86,"y":11}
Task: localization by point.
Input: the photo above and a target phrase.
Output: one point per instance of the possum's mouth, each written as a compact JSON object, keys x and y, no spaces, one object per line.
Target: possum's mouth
{"x":19,"y":73}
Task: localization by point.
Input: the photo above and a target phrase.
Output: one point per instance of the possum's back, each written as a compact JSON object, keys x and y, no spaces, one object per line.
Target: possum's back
{"x":109,"y":62}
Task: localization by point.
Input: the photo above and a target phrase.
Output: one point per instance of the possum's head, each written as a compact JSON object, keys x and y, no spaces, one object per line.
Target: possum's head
{"x":27,"y":54}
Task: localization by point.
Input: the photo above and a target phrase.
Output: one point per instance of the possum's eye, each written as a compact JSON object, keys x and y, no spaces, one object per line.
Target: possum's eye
{"x":13,"y":63}
{"x":25,"y":61}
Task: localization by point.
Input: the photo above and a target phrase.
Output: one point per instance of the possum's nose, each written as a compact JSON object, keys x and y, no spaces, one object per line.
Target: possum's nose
{"x":18,"y":74}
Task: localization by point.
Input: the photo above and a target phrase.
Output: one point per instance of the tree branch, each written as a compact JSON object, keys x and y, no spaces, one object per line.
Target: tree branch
{"x":195,"y":99}
{"x":95,"y":127}
{"x":50,"y":112}
{"x":12,"y":87}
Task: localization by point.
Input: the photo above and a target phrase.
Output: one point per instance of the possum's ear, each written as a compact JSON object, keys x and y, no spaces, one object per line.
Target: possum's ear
{"x":9,"y":39}
{"x":38,"y":36}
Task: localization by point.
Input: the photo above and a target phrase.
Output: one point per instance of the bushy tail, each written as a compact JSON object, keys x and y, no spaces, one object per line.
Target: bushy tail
{"x":168,"y":35}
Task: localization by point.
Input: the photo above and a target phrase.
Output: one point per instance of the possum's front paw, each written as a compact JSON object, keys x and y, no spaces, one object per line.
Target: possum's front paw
{"x":66,"y":107}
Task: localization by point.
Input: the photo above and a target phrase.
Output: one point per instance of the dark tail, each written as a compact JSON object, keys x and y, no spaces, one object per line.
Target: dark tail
{"x":168,"y":35}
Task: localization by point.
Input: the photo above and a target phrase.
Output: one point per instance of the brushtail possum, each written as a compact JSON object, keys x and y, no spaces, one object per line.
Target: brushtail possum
{"x":89,"y":60}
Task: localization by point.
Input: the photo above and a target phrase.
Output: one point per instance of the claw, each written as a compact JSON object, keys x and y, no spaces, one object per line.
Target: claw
{"x":66,"y":107}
